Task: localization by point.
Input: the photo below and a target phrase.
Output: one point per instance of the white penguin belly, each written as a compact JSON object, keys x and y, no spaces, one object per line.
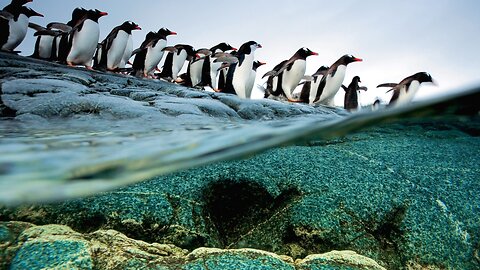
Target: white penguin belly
{"x":18,"y":31}
{"x":242,"y":75}
{"x":406,"y":96}
{"x":178,"y":62}
{"x":45,"y":46}
{"x":116,"y":52}
{"x":332,"y":86}
{"x":249,"y":84}
{"x":292,"y":77}
{"x":314,"y":88}
{"x":128,"y":52}
{"x":154,"y":56}
{"x":214,"y":73}
{"x":84,"y":43}
{"x":196,"y":72}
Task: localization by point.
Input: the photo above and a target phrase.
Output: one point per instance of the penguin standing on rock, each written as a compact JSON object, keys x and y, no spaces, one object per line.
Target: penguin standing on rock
{"x":333,"y":80}
{"x":48,"y":38}
{"x":239,"y":73}
{"x":310,"y":86}
{"x":84,"y":38}
{"x":404,"y":91}
{"x":351,"y":95}
{"x":293,"y":71}
{"x":251,"y":80}
{"x":211,"y":67}
{"x":14,"y":19}
{"x":150,"y":53}
{"x":110,"y":51}
{"x":194,"y":70}
{"x":175,"y":60}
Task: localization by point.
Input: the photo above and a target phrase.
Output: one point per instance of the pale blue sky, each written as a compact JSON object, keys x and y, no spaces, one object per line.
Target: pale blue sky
{"x":395,"y":38}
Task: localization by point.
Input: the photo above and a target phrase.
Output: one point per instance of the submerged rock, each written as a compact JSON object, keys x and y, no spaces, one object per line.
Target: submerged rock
{"x":59,"y":247}
{"x":383,"y":193}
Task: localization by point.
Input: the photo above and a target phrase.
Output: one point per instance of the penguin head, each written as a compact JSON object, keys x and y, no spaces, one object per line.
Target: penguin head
{"x":223,"y":47}
{"x":348,"y":58}
{"x":356,"y":78}
{"x":305,"y":52}
{"x":424,"y":77}
{"x":249,"y":47}
{"x":165,"y":32}
{"x":30,"y":12}
{"x":20,"y":2}
{"x":95,"y":14}
{"x":188,"y":49}
{"x":257,"y":64}
{"x":129,"y":26}
{"x":321,"y":71}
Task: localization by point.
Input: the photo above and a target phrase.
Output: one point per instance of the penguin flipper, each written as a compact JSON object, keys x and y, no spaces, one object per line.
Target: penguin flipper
{"x":270,"y":73}
{"x":60,"y":26}
{"x":320,"y":88}
{"x":392,"y":85}
{"x":36,"y":27}
{"x":364,"y":88}
{"x":344,"y":88}
{"x":6,"y":15}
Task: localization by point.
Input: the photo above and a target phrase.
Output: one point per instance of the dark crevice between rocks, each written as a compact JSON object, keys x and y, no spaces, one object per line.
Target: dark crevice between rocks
{"x":5,"y":111}
{"x":388,"y":233}
{"x":237,"y":207}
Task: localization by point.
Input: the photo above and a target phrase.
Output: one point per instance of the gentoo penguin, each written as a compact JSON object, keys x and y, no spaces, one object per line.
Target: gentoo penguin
{"x":293,"y":71}
{"x":64,"y":39}
{"x":111,"y":50}
{"x":84,"y":39}
{"x":48,"y":39}
{"x":150,"y":53}
{"x":175,"y":60}
{"x":211,"y":67}
{"x":404,"y":91}
{"x":239,"y":73}
{"x":251,"y":80}
{"x":14,"y":25}
{"x":351,"y":97}
{"x":309,"y":89}
{"x":332,"y":81}
{"x":195,"y":67}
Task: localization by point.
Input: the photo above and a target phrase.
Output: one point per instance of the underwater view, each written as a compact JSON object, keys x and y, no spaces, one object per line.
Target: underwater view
{"x":135,"y":149}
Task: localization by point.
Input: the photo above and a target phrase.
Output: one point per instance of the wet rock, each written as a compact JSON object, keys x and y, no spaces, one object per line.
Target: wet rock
{"x":59,"y":247}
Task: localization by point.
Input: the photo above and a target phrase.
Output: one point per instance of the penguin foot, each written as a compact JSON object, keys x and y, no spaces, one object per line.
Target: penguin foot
{"x":70,"y":64}
{"x":294,"y":100}
{"x":217,"y":90}
{"x":89,"y":68}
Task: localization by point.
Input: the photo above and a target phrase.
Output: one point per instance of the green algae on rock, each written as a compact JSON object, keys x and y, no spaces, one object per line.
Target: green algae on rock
{"x":59,"y":247}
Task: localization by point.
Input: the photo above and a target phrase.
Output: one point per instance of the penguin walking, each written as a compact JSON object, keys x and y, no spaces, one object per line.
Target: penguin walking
{"x":239,"y":73}
{"x":175,"y":60}
{"x":211,"y":67}
{"x":111,"y":50}
{"x":48,"y":38}
{"x":404,"y":91}
{"x":14,"y":24}
{"x":150,"y":53}
{"x":84,"y":38}
{"x":333,"y":80}
{"x":310,"y":86}
{"x":293,"y":71}
{"x":351,"y":96}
